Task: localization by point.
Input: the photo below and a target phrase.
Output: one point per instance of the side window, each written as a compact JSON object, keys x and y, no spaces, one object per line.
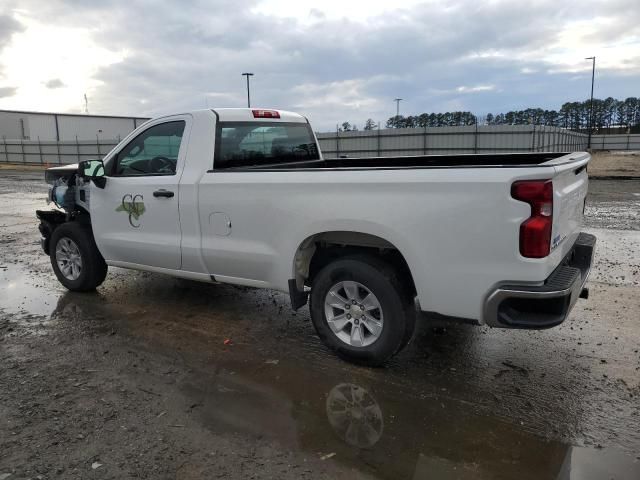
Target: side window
{"x":153,"y":152}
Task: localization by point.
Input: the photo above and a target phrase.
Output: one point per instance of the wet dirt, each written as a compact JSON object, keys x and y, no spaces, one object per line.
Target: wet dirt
{"x":155,"y":377}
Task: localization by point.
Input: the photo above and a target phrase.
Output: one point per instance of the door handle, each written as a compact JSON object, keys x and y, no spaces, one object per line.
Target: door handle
{"x":163,"y":193}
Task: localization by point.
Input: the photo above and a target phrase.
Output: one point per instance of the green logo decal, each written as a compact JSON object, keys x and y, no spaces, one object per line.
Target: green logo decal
{"x":134,"y":206}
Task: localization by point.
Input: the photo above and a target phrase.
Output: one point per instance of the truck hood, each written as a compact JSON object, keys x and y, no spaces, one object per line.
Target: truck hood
{"x":54,"y":173}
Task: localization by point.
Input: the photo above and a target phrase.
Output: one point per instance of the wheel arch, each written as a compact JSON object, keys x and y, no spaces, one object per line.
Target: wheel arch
{"x":50,"y":220}
{"x":320,"y":248}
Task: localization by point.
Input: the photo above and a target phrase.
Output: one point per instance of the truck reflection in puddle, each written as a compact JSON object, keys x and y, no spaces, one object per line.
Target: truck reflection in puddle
{"x":392,"y":436}
{"x":355,"y":415}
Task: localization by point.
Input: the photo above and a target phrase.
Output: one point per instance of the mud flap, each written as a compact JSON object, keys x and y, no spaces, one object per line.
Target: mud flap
{"x":298,"y":298}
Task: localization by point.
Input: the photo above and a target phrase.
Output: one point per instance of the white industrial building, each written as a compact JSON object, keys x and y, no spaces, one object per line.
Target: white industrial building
{"x":19,"y":125}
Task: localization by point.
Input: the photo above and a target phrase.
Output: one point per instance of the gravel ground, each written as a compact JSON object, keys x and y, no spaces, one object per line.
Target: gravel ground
{"x":154,"y":377}
{"x":615,"y":164}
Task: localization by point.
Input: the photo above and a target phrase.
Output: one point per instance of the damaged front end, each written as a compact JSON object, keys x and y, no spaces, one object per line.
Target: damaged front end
{"x":49,"y":221}
{"x":69,"y":192}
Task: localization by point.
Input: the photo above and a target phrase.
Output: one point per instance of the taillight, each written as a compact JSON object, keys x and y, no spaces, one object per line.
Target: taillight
{"x":535,"y":232}
{"x":265,"y":113}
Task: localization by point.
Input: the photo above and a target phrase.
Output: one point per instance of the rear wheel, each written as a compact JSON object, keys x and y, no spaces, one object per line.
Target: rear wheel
{"x":362,"y":310}
{"x":75,"y":258}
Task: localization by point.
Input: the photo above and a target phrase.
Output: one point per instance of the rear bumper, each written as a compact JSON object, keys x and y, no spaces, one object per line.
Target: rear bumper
{"x":546,"y":305}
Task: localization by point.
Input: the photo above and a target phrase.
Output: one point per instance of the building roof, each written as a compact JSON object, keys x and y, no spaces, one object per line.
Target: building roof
{"x":74,"y":114}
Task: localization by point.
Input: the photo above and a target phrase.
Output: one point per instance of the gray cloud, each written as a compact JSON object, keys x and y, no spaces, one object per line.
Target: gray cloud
{"x":54,"y":83}
{"x":336,"y":69}
{"x":8,"y":26}
{"x":8,"y":91}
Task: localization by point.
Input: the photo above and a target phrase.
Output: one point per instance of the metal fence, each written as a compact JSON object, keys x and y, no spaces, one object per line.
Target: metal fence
{"x":450,"y":140}
{"x":52,"y":152}
{"x":616,"y":142}
{"x":370,"y":143}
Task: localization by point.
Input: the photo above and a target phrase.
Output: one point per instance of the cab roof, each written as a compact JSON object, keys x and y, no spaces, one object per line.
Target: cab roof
{"x":257,"y":114}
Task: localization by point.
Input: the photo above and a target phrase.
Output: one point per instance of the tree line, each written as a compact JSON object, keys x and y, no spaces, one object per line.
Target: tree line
{"x":608,"y":114}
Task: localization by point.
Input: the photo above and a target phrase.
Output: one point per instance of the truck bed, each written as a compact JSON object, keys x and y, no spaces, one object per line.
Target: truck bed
{"x":511,"y":160}
{"x":494,"y":160}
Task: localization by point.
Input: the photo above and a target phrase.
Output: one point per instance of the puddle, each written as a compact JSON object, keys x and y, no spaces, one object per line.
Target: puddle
{"x":595,"y":464}
{"x":24,"y":293}
{"x":388,"y":433}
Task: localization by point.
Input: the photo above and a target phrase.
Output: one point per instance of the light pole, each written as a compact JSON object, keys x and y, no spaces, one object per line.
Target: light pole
{"x":247,"y":74}
{"x":593,"y":76}
{"x":397,"y":100}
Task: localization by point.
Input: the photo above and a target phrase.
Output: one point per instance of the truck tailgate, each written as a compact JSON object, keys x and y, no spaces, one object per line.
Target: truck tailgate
{"x":570,"y":185}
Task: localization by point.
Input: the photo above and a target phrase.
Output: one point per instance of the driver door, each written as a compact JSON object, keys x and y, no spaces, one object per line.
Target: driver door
{"x":136,"y":217}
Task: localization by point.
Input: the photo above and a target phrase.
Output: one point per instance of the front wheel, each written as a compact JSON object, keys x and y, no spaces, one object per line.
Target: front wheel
{"x":362,"y":310}
{"x":75,"y":258}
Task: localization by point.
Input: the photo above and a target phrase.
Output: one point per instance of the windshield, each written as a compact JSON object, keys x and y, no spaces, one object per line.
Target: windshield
{"x":261,"y":143}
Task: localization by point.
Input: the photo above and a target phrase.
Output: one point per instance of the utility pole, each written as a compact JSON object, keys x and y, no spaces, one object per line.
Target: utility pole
{"x":248,"y":74}
{"x":86,"y":104}
{"x":397,"y":100}
{"x":593,"y":76}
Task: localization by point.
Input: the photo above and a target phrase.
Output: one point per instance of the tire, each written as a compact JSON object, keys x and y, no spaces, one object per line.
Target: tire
{"x":395,"y":313}
{"x":75,"y":258}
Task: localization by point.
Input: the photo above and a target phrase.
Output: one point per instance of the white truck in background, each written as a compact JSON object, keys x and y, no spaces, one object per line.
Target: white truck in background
{"x":244,"y":196}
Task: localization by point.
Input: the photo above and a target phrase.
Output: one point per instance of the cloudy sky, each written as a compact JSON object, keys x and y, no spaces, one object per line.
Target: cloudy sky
{"x":332,"y":60}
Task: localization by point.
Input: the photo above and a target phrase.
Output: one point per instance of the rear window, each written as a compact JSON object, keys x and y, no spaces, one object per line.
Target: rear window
{"x":245,"y":144}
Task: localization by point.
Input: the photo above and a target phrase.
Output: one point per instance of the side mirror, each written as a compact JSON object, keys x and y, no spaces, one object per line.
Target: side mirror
{"x":94,"y":171}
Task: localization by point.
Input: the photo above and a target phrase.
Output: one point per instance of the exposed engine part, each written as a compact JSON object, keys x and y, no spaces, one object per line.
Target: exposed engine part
{"x":61,"y":194}
{"x":70,"y":193}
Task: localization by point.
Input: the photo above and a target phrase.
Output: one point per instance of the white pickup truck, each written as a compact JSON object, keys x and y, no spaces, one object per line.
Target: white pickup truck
{"x":244,"y":196}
